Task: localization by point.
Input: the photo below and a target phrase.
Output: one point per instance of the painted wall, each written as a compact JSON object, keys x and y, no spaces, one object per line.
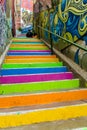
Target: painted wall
{"x":27,"y":12}
{"x":67,"y":19}
{"x":5,"y":25}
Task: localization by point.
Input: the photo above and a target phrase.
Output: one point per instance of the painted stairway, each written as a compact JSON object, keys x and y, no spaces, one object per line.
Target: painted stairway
{"x":35,"y":87}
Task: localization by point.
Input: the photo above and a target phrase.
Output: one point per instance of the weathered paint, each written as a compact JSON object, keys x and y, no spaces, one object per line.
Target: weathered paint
{"x":31,"y":60}
{"x":42,"y":98}
{"x":24,"y":51}
{"x":19,"y":118}
{"x":29,"y":42}
{"x":20,"y":57}
{"x":35,"y":52}
{"x":26,"y":40}
{"x":27,"y":45}
{"x":32,"y":65}
{"x":24,"y":71}
{"x":30,"y":48}
{"x":35,"y":78}
{"x":39,"y":86}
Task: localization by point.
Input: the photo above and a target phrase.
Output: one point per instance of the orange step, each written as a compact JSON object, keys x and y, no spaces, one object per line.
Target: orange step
{"x":27,"y":45}
{"x":42,"y":98}
{"x":20,"y":57}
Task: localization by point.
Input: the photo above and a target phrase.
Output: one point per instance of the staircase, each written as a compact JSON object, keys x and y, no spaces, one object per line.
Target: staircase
{"x":36,"y":87}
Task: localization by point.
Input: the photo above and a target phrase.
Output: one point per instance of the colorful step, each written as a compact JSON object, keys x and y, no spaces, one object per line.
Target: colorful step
{"x":29,"y":53}
{"x":27,"y":117}
{"x":26,"y":45}
{"x":35,"y":78}
{"x":24,"y":51}
{"x":30,"y":48}
{"x":20,"y":57}
{"x":29,"y":42}
{"x":33,"y":65}
{"x":32,"y":71}
{"x":39,"y":86}
{"x":42,"y":98}
{"x":26,"y":40}
{"x":31,"y":60}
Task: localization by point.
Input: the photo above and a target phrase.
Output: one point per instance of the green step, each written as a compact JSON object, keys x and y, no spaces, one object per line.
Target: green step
{"x":39,"y":86}
{"x":31,"y":65}
{"x":15,"y":48}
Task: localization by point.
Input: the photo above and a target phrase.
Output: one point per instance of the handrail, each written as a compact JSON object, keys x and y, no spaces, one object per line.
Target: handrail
{"x":75,"y":44}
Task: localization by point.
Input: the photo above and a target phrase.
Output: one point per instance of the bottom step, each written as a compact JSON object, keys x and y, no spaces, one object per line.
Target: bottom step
{"x":26,"y":117}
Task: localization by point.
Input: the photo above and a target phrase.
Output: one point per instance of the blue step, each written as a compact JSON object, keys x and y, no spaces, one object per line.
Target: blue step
{"x":33,"y":71}
{"x":28,"y":53}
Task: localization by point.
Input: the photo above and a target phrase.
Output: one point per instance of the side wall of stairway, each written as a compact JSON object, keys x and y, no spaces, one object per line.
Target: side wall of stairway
{"x":5,"y":24}
{"x":69,"y":20}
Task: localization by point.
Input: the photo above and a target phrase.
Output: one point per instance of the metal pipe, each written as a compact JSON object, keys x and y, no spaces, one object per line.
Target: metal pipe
{"x":75,"y":44}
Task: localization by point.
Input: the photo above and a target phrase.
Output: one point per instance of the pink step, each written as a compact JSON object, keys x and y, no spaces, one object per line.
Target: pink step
{"x":35,"y":78}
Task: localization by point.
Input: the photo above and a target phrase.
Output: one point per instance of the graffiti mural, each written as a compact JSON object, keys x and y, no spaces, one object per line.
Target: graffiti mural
{"x":5,"y":26}
{"x":40,"y":5}
{"x":67,"y":19}
{"x":27,"y":12}
{"x":2,"y":26}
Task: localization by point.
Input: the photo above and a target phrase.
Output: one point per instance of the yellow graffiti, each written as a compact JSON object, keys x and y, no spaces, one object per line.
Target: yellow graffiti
{"x":82,"y":30}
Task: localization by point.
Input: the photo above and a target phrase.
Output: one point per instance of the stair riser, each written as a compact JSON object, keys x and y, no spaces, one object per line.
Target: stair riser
{"x":29,"y":42}
{"x":23,"y":51}
{"x":32,"y":71}
{"x":28,"y":49}
{"x":20,"y":118}
{"x":28,"y":57}
{"x":33,"y":65}
{"x":29,"y":53}
{"x":35,"y":78}
{"x":44,"y":98}
{"x":26,"y":40}
{"x":27,"y":60}
{"x":26,"y":45}
{"x":39,"y":87}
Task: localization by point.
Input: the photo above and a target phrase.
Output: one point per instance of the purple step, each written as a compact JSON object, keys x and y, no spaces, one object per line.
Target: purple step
{"x":35,"y":78}
{"x":29,"y":51}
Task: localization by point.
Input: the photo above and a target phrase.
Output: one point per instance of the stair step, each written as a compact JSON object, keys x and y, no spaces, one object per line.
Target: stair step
{"x":20,"y":38}
{"x":32,"y":71}
{"x":39,"y":86}
{"x":26,"y":40}
{"x":31,"y":65}
{"x":10,"y":101}
{"x":31,"y":60}
{"x":30,"y":48}
{"x":23,"y":51}
{"x":33,"y":116}
{"x":29,"y":53}
{"x":28,"y":45}
{"x":29,"y":42}
{"x":35,"y":78}
{"x":24,"y":57}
